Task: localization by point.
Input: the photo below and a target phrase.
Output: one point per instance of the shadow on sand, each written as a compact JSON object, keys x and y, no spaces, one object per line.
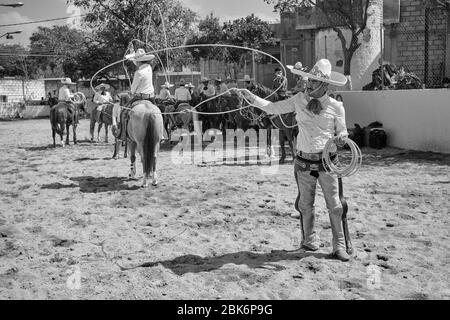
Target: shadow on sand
{"x":195,"y":264}
{"x":88,"y":184}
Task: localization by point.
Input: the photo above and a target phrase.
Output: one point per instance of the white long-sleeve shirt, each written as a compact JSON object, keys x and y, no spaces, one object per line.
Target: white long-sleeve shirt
{"x":182,"y":94}
{"x":101,"y":99}
{"x":314,"y":130}
{"x":164,"y":94}
{"x":143,"y":81}
{"x":64,"y":94}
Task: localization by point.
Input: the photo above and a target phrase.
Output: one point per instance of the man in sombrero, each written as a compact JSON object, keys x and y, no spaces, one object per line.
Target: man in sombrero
{"x":220,"y":85}
{"x":141,"y":87}
{"x":164,"y":93}
{"x":205,"y":89}
{"x":65,"y":95}
{"x":319,"y":119}
{"x":102,"y":97}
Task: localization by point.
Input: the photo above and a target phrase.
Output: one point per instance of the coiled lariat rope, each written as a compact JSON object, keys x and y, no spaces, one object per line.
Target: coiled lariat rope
{"x":334,"y":166}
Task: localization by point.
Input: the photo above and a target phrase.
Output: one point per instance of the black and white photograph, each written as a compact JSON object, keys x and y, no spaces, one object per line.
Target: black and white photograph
{"x":238,"y":152}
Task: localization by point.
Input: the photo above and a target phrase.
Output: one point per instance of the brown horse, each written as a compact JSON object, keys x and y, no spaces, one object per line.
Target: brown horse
{"x":285,"y":123}
{"x":63,"y":115}
{"x":182,"y":120}
{"x":105,"y":118}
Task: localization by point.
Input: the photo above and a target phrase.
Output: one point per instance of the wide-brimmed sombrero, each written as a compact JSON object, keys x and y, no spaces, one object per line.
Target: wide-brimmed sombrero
{"x":67,"y":81}
{"x":204,"y":79}
{"x":167,"y":85}
{"x":140,"y":55}
{"x":189,"y":85}
{"x":103,"y":85}
{"x":320,"y":72}
{"x":218,"y":79}
{"x":246,"y":78}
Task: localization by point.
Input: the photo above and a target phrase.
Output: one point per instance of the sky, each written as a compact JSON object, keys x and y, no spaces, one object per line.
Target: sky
{"x":34,"y":10}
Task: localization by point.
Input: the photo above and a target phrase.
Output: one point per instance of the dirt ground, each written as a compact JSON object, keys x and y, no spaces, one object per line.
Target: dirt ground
{"x":71,"y":223}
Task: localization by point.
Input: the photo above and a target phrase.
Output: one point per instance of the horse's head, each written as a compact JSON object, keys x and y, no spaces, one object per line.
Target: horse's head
{"x":124,"y":98}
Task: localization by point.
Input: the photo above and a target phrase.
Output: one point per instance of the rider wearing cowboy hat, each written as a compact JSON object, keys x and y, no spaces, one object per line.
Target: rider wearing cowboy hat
{"x":164,"y":93}
{"x":205,"y":89}
{"x":231,"y":83}
{"x":248,"y":82}
{"x":280,"y":83}
{"x":221,"y":86}
{"x":141,"y":87}
{"x":65,"y":95}
{"x":319,"y":118}
{"x":182,"y":94}
{"x":102,"y":98}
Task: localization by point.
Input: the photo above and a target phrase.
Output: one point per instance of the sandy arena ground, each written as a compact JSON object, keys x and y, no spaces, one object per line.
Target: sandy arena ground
{"x":210,"y":231}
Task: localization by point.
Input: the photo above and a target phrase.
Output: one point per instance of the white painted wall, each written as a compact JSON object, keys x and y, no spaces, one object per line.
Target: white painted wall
{"x":413,"y":119}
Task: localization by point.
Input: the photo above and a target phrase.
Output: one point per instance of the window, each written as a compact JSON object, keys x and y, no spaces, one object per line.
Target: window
{"x":3,"y":98}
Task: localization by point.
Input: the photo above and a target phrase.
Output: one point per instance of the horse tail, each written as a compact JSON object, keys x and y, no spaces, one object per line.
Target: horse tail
{"x":58,"y":121}
{"x":151,"y":140}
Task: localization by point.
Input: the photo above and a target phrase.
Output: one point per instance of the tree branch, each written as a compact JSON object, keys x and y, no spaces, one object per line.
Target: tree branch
{"x":364,"y":23}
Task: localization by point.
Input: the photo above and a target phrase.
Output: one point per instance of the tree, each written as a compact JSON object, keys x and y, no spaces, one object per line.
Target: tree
{"x":14,"y":62}
{"x":249,"y":32}
{"x":59,"y":47}
{"x":339,"y":14}
{"x":160,"y":23}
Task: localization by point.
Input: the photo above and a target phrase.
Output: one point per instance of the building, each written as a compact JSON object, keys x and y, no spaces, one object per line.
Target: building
{"x":414,"y":37}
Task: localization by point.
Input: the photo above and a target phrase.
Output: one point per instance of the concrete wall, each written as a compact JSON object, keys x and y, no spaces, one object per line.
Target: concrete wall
{"x":413,"y":119}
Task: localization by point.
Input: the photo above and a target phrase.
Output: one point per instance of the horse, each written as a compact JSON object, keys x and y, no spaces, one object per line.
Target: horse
{"x":105,"y":117}
{"x":208,"y":121}
{"x":64,"y":115}
{"x":144,"y":133}
{"x":232,"y":120}
{"x":285,"y":122}
{"x":182,"y":119}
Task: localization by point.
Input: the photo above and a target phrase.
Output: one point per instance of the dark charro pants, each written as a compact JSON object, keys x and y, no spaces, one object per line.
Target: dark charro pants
{"x":306,"y":183}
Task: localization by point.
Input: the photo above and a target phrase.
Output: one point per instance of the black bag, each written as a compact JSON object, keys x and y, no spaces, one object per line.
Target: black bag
{"x":377,"y":138}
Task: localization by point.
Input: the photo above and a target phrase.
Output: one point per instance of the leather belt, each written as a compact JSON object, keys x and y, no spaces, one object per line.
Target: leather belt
{"x":144,"y":96}
{"x":310,"y":156}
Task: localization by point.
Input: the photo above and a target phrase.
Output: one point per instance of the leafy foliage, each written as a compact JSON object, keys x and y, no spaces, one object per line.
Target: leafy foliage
{"x":338,"y":14}
{"x":249,"y":31}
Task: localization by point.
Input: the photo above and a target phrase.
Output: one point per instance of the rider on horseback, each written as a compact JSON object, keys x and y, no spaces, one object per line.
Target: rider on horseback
{"x":101,"y":98}
{"x":205,"y":89}
{"x":66,"y":96}
{"x":280,"y":81}
{"x":141,"y":87}
{"x":182,"y":95}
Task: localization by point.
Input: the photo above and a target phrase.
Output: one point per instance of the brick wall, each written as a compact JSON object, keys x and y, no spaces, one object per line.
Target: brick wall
{"x":15,"y":90}
{"x":406,"y":44}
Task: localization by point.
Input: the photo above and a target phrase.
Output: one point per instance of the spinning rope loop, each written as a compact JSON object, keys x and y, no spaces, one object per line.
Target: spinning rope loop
{"x":338,"y":169}
{"x":204,"y":101}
